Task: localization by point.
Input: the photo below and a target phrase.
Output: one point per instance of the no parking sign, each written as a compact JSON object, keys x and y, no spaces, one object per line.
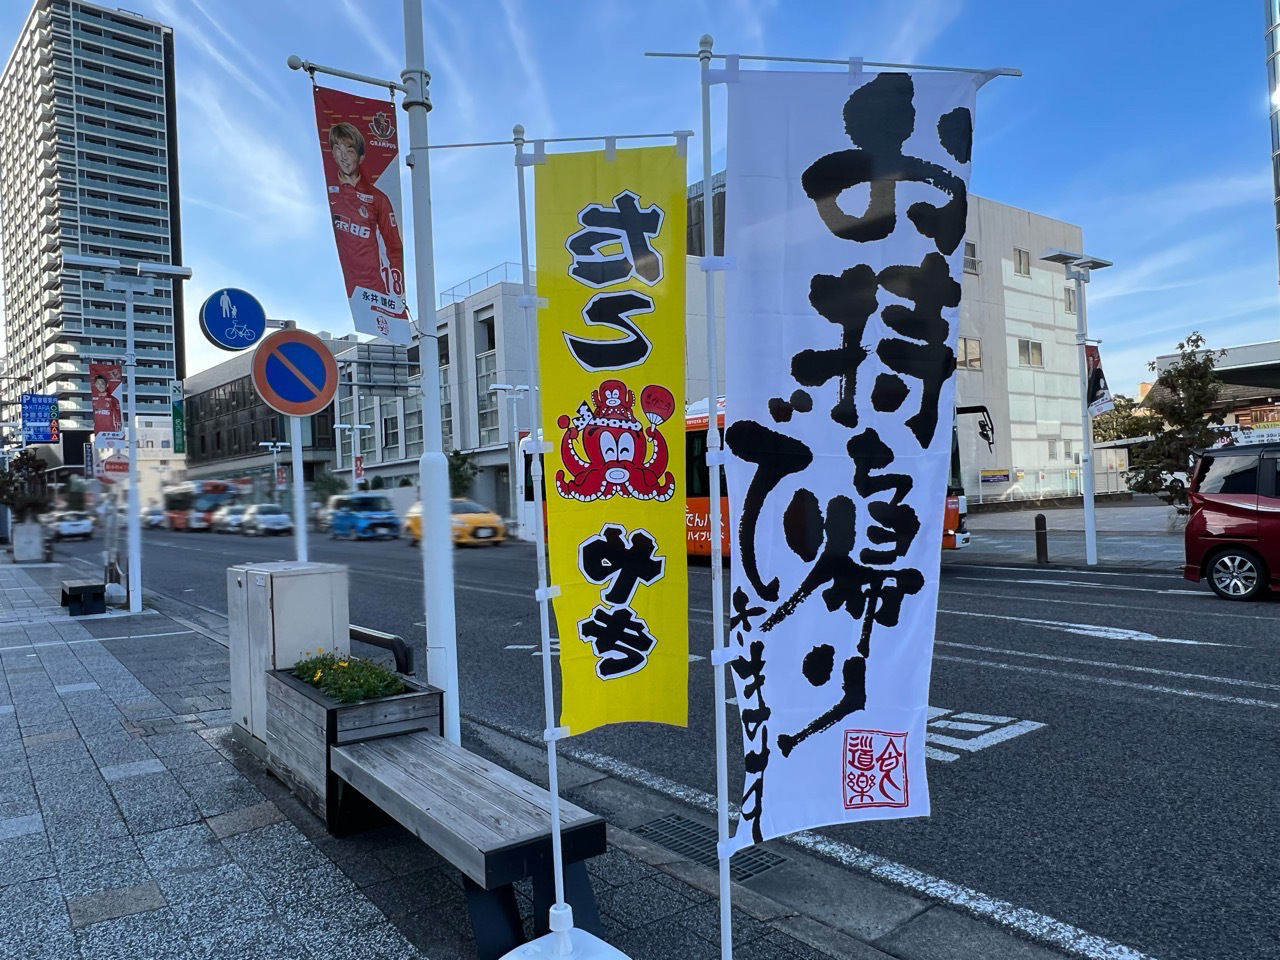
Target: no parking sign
{"x":294,"y":373}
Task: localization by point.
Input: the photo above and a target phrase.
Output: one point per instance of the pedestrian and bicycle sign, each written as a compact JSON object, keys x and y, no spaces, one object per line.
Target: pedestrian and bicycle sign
{"x":295,"y":373}
{"x":232,"y":319}
{"x":40,"y":417}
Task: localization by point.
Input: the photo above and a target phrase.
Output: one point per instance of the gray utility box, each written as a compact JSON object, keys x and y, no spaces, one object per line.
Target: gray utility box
{"x":279,"y":613}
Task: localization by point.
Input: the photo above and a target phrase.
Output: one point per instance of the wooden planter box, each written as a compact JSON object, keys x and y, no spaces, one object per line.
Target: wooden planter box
{"x":303,"y":723}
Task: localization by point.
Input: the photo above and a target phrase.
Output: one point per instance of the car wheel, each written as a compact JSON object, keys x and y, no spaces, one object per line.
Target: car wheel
{"x":1237,"y":574}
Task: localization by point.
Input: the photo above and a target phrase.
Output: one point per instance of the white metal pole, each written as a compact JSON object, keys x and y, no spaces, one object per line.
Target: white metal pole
{"x":355,"y":418}
{"x":433,"y":467}
{"x":1086,"y":423}
{"x":299,"y":489}
{"x":512,"y":440}
{"x":275,"y":473}
{"x":561,"y":919}
{"x":134,"y":520}
{"x":719,"y":641}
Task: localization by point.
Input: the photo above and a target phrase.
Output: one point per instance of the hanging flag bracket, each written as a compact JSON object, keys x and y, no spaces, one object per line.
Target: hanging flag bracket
{"x":723,"y":655}
{"x":715,"y":456}
{"x":533,"y":302}
{"x":714,"y":264}
{"x":555,"y":733}
{"x":546,"y":593}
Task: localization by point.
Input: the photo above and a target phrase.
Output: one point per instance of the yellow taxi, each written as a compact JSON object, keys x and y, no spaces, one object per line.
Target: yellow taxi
{"x":473,"y":525}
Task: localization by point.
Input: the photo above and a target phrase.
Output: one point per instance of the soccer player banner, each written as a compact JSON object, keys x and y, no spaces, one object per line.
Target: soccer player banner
{"x":358,"y":145}
{"x":1099,"y":396}
{"x":610,"y":252}
{"x":847,"y":198}
{"x":104,"y":380}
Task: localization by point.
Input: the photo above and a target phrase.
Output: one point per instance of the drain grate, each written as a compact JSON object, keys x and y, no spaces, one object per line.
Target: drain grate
{"x":697,"y":842}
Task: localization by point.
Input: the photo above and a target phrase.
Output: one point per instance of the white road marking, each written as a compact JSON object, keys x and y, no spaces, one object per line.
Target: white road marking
{"x":1035,"y":926}
{"x":1088,"y":630}
{"x":990,"y":739}
{"x":1115,"y":682}
{"x":1096,"y":586}
{"x":1106,"y":664}
{"x":1093,"y":603}
{"x":957,"y":725}
{"x":1089,"y":573}
{"x":521,"y":646}
{"x":985,"y":718}
{"x":935,"y":754}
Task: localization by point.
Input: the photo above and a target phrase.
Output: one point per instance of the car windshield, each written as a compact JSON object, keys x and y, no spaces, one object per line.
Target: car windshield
{"x":234,"y":511}
{"x":468,"y":506}
{"x":74,"y":516}
{"x":268,"y":509}
{"x":371,"y":504}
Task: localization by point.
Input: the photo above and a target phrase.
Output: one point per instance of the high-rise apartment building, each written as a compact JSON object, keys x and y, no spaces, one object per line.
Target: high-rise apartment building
{"x":89,"y":165}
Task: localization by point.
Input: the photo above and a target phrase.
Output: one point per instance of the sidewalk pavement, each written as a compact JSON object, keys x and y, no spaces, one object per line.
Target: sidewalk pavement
{"x":1131,"y":536}
{"x":132,"y":826}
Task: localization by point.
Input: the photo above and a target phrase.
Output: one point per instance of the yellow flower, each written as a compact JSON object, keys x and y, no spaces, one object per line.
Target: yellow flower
{"x":317,"y":676}
{"x":343,"y":663}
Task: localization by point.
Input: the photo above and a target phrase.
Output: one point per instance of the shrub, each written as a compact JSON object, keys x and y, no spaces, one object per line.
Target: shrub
{"x":346,"y":678}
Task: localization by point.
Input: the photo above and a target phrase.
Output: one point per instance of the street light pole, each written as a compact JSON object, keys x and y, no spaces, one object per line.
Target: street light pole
{"x":513,"y":393}
{"x":354,"y":427}
{"x":1078,"y":267}
{"x":275,"y":446}
{"x":433,"y":467}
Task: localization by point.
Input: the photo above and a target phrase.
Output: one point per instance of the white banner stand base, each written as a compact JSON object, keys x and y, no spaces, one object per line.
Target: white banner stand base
{"x":580,"y":946}
{"x":566,"y":940}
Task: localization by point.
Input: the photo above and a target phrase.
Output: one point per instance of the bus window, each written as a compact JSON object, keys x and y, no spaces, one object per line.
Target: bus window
{"x":697,"y":477}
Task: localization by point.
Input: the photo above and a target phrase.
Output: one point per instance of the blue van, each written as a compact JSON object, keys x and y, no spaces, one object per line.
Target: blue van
{"x":362,"y":516}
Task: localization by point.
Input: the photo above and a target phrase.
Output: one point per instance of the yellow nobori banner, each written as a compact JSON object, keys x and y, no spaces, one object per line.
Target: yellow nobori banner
{"x":611,"y":265}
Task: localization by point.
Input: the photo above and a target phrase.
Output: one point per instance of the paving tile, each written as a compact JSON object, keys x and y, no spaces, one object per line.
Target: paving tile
{"x":112,"y":876}
{"x":75,"y":687}
{"x":228,"y":793}
{"x":21,"y":826}
{"x":662,"y":941}
{"x":943,"y":934}
{"x":90,"y":854}
{"x":53,"y":736}
{"x":43,"y":911}
{"x":205,"y":900}
{"x":642,"y":902}
{"x":363,"y":869}
{"x":6,"y":709}
{"x":183,"y":849}
{"x":255,"y":938}
{"x":153,"y":802}
{"x":135,"y":768}
{"x":274,"y":855}
{"x":246,"y":820}
{"x":416,"y":892}
{"x":23,"y":859}
{"x":113,"y":903}
{"x":337,"y":940}
{"x":152,"y":934}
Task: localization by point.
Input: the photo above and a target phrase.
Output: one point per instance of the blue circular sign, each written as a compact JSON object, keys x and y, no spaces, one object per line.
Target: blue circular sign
{"x":232,"y":319}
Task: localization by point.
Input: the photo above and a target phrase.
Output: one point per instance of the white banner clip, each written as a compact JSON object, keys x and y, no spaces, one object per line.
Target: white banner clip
{"x":711,"y":264}
{"x":546,"y":593}
{"x":682,"y":142}
{"x":726,"y":74}
{"x":722,"y":655}
{"x":610,"y":149}
{"x":555,"y":733}
{"x":716,"y":457}
{"x":534,"y":302}
{"x":855,"y":71}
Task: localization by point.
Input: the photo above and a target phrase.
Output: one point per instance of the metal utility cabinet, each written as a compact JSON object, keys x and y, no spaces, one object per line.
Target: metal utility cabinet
{"x":279,"y":613}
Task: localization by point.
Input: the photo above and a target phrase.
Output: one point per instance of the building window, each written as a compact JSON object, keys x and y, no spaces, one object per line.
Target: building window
{"x":485,"y":340}
{"x":971,"y":261}
{"x":1066,"y":449}
{"x":1030,"y":353}
{"x":969,"y":353}
{"x":1053,"y":450}
{"x":413,"y":433}
{"x":1070,"y":298}
{"x":446,"y":410}
{"x":390,"y":433}
{"x":486,"y":399}
{"x":1021,"y":262}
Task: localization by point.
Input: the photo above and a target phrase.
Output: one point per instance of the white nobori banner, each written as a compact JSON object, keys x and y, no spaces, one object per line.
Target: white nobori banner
{"x":846,"y":199}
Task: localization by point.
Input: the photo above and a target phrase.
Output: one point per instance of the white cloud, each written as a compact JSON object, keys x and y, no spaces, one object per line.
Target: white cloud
{"x":522,"y":44}
{"x":917,"y":26}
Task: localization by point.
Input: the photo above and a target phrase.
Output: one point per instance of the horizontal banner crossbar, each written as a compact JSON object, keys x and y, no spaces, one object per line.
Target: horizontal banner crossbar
{"x":994,"y":71}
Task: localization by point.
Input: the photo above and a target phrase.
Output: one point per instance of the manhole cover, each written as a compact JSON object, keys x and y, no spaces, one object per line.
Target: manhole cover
{"x":697,"y":842}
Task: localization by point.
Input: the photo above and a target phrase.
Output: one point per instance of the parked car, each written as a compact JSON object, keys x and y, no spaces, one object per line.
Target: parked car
{"x":153,"y":517}
{"x":265,"y":518}
{"x":362,"y":516}
{"x":473,"y":524}
{"x":72,"y":523}
{"x":1233,"y":533}
{"x":228,"y":519}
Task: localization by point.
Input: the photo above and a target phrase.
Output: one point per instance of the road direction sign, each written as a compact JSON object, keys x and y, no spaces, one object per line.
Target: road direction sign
{"x":116,"y":464}
{"x":40,"y":417}
{"x":232,"y":319}
{"x":294,"y":373}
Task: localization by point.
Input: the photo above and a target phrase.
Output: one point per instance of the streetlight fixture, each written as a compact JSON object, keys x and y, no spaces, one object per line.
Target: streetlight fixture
{"x":514,"y":392}
{"x":354,"y":427}
{"x":130,"y":279}
{"x":1078,"y":267}
{"x":275,"y":446}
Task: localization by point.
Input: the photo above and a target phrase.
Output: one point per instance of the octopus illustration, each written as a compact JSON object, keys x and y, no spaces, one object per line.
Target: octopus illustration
{"x":622,"y":456}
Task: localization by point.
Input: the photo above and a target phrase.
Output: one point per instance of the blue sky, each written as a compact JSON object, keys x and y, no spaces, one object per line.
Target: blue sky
{"x":1145,"y":123}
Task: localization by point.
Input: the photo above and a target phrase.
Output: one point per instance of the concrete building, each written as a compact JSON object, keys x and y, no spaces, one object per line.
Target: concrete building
{"x":226,"y":420}
{"x":91,"y":167}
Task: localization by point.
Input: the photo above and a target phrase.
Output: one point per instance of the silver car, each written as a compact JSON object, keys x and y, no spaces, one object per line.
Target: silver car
{"x":265,"y":518}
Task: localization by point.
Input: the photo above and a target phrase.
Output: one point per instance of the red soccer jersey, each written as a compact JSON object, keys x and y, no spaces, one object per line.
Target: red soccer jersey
{"x":361,"y":215}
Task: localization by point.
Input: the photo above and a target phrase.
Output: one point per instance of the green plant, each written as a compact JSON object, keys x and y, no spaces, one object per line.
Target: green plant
{"x":1125,"y":422}
{"x":348,"y":679}
{"x":1182,"y":400}
{"x":405,"y":482}
{"x":326,"y":485}
{"x":378,"y":483}
{"x":462,"y":470}
{"x":23,"y":488}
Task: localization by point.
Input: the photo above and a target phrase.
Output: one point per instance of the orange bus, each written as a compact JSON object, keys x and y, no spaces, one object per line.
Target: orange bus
{"x":189,"y":506}
{"x":698,"y":485}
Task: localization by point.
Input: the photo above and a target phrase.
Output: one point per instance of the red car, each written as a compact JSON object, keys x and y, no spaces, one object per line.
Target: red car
{"x":1233,"y":534}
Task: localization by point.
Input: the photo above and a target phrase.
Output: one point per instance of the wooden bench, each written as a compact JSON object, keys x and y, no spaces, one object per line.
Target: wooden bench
{"x":488,"y":822}
{"x":84,"y":597}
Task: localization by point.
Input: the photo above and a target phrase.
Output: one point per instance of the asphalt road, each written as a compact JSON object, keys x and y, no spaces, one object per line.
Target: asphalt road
{"x":1104,"y":750}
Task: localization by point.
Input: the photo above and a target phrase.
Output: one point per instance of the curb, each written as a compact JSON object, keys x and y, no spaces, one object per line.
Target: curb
{"x":994,"y":560}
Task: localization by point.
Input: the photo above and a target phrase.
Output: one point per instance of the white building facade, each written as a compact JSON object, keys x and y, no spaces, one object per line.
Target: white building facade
{"x":90,"y":167}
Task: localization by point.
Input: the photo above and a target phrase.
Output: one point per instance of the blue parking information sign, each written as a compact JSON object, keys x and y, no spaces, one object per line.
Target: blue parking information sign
{"x":40,"y":417}
{"x":232,"y":319}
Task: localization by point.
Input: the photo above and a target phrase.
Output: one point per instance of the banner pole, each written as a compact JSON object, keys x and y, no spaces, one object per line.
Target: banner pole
{"x":715,"y":453}
{"x":433,"y":467}
{"x":561,"y":919}
{"x":299,"y":489}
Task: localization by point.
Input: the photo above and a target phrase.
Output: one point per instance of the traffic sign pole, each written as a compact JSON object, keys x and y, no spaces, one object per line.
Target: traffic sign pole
{"x":299,"y":491}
